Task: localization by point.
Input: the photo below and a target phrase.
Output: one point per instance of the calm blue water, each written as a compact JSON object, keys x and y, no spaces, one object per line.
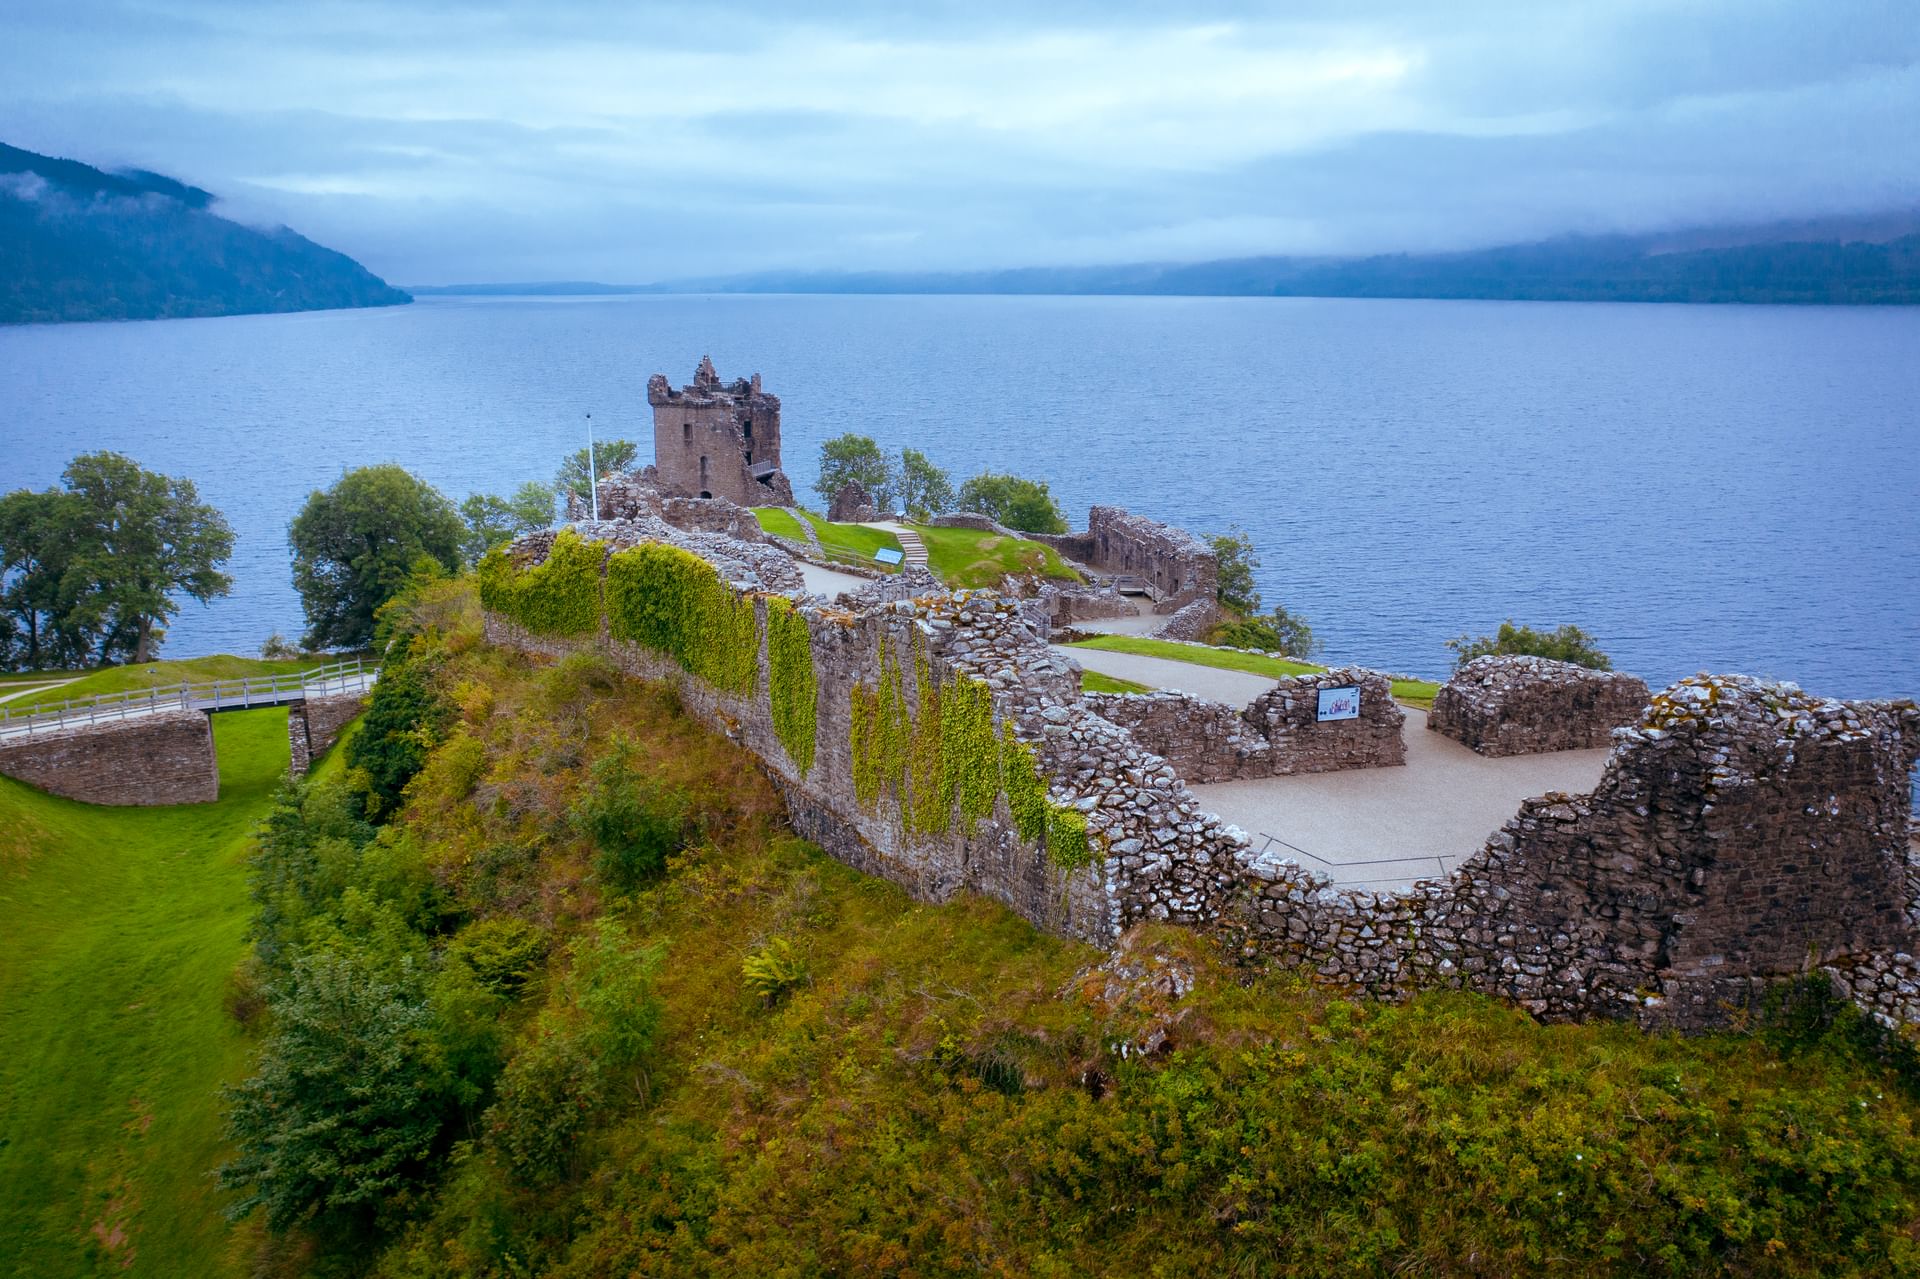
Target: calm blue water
{"x":1725,"y":488}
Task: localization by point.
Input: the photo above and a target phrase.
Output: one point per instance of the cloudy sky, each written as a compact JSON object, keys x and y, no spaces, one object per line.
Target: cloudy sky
{"x":461,"y":140}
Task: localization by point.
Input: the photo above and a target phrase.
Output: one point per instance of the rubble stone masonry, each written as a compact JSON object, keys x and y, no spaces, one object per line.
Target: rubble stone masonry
{"x":315,"y":724}
{"x":1512,"y":705}
{"x":161,"y":758}
{"x":1741,"y":832}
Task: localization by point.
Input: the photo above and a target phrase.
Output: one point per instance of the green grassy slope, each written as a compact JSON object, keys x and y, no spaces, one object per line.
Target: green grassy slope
{"x":122,"y":926}
{"x":854,"y":543}
{"x":1418,"y":692}
{"x":971,"y":557}
{"x":775,"y":520}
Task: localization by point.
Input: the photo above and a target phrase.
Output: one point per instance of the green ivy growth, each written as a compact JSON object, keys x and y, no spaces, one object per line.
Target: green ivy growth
{"x":558,"y":597}
{"x":948,"y":754}
{"x":792,"y":688}
{"x":675,"y":603}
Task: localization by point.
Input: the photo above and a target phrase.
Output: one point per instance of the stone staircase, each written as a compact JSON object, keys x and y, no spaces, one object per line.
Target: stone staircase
{"x":911,"y":545}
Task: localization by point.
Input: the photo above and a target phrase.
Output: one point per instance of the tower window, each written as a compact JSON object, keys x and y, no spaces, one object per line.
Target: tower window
{"x":703,"y":467}
{"x":686,"y":432}
{"x":746,"y":428}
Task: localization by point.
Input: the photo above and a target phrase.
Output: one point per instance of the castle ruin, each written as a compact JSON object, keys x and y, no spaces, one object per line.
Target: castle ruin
{"x":715,"y":439}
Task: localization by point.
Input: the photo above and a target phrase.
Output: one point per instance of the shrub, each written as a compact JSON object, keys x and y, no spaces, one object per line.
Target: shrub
{"x":1566,"y":644}
{"x":501,"y":951}
{"x":404,"y":718}
{"x":634,"y":825}
{"x":774,"y":969}
{"x":549,"y":1094}
{"x":1278,"y":632}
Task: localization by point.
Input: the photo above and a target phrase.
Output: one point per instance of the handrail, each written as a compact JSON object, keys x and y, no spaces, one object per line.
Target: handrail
{"x":350,"y":675}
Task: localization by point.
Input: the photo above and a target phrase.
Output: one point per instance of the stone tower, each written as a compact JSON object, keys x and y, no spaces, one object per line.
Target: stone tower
{"x":714,"y":439}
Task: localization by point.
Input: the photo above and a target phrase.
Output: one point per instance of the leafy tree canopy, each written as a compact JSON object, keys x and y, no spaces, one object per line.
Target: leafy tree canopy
{"x":1238,"y":560}
{"x":608,"y":455}
{"x":1018,"y":503}
{"x":1566,"y":644}
{"x":925,"y":489}
{"x":855,"y":458}
{"x":1278,"y":632}
{"x":355,"y":544}
{"x":91,"y":573}
{"x":492,"y":519}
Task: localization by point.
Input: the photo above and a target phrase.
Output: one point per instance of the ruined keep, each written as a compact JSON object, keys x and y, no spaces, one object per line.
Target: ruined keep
{"x":715,"y":439}
{"x":1515,"y":705}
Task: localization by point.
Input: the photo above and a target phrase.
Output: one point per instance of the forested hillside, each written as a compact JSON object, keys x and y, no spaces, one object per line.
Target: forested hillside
{"x":551,"y":988}
{"x":80,"y":244}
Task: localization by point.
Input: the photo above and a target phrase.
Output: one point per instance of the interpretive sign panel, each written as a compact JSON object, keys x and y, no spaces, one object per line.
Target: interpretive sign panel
{"x":1339,"y":703}
{"x":889,"y":555}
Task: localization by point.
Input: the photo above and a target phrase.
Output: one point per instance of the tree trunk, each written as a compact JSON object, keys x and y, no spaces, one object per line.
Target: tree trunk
{"x":140,"y":645}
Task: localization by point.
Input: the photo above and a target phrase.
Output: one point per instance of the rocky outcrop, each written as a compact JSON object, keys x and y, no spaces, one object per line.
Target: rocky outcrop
{"x":1515,"y":705}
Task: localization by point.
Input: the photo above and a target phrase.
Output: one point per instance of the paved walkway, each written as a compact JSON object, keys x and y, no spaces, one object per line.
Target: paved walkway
{"x":827,"y":582}
{"x":21,"y":690}
{"x":1143,"y":622}
{"x":1379,"y":828}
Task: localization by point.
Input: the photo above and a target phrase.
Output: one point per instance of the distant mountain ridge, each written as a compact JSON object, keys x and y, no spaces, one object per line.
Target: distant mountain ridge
{"x":1851,"y":262}
{"x":78,"y":243}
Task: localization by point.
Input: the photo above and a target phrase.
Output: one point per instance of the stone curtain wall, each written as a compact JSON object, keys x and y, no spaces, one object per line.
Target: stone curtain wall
{"x":1530,"y":705}
{"x":1179,"y":567}
{"x":315,"y":724}
{"x":162,"y":758}
{"x":1741,"y":832}
{"x":1277,"y":735}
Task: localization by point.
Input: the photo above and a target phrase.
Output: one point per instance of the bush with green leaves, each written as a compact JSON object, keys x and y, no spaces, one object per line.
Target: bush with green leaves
{"x":1237,"y":559}
{"x":405,"y":717}
{"x":855,"y":459}
{"x":493,"y":520}
{"x":608,"y":456}
{"x":1278,"y":632}
{"x":1565,"y":644}
{"x":1017,"y":503}
{"x":774,"y":969}
{"x":635,"y":823}
{"x":925,"y":489}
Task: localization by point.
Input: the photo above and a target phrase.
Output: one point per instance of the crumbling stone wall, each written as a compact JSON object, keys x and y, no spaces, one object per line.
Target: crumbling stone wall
{"x":1741,"y":832}
{"x":1203,"y":741}
{"x":1066,"y":605}
{"x":165,"y":757}
{"x":1515,"y":705}
{"x":851,"y":505}
{"x":715,"y":439}
{"x":1277,"y":735}
{"x":1287,"y":716}
{"x":1175,"y":565}
{"x":314,"y":725}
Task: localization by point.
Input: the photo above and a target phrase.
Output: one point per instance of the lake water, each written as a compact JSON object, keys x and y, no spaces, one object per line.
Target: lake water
{"x":1724,"y":488}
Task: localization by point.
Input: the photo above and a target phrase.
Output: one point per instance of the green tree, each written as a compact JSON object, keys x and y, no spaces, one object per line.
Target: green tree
{"x":94,"y":571}
{"x":344,"y":1112}
{"x":608,"y":455}
{"x":492,"y":519}
{"x":855,"y":458}
{"x":355,"y":544}
{"x":1277,"y":632}
{"x":1237,"y":559}
{"x":1015,"y":502}
{"x":925,"y":489}
{"x":1566,"y":644}
{"x":405,"y":717}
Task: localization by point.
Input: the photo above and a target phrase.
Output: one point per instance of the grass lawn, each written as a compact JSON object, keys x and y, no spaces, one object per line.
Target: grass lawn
{"x":1415,"y":692}
{"x":775,"y":520}
{"x":1095,"y":682}
{"x":122,"y":926}
{"x":194,"y":670}
{"x":853,"y":543}
{"x":966,"y":557}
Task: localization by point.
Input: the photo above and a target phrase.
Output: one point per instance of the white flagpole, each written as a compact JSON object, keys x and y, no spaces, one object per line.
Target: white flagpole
{"x":593,"y":471}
